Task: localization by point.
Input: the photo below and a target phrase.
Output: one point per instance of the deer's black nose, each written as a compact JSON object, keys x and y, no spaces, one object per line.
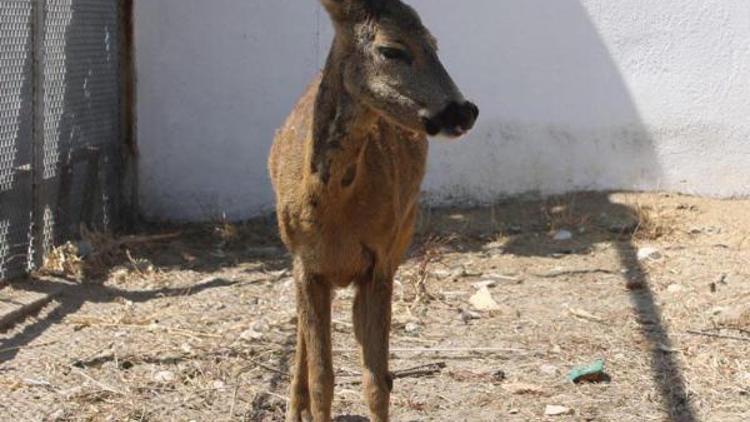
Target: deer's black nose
{"x":455,"y":120}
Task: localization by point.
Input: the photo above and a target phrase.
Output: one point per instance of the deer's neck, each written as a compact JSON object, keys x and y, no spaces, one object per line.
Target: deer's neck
{"x":341,"y":124}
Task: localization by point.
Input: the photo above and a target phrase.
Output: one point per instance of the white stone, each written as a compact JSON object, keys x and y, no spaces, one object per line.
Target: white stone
{"x":555,"y":410}
{"x":648,"y":253}
{"x":483,"y":300}
{"x":164,"y":377}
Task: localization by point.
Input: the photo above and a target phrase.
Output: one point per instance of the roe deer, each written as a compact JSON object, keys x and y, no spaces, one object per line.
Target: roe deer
{"x":346,"y":168}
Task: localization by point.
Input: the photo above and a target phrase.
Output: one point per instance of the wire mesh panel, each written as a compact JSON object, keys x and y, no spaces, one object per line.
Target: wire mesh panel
{"x":16,"y":129}
{"x":59,"y":124}
{"x":79,"y":153}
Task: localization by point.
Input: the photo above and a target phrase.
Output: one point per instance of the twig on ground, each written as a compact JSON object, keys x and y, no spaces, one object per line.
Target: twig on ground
{"x":234,"y":401}
{"x":443,"y":350}
{"x":99,"y":384}
{"x":723,"y":336}
{"x":560,"y":273}
{"x":264,"y":366}
{"x":417,"y":371}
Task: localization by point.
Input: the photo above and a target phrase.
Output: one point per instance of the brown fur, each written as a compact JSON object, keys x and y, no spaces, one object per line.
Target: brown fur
{"x":347,"y":168}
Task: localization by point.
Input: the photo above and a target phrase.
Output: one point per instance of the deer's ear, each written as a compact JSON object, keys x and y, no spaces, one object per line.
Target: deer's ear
{"x":351,"y":10}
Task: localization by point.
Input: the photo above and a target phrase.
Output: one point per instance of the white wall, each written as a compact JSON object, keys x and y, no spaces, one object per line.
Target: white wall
{"x":589,"y":94}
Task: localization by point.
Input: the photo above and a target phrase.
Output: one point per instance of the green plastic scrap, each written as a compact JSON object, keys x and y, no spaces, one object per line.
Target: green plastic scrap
{"x":593,"y":372}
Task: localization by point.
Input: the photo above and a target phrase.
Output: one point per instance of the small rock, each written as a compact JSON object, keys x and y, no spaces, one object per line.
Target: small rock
{"x":674,"y":288}
{"x":261,"y":325}
{"x":722,"y":279}
{"x":441,"y":273}
{"x":485,"y":284}
{"x":218,"y":384}
{"x":164,"y":377}
{"x":666,"y":349}
{"x":412,"y":327}
{"x":468,"y":315}
{"x":556,"y":410}
{"x":498,"y":376}
{"x":548,"y":369}
{"x":563,"y":235}
{"x":514,"y":411}
{"x":649,"y":253}
{"x":514,"y":229}
{"x":483,"y":301}
{"x":251,"y":334}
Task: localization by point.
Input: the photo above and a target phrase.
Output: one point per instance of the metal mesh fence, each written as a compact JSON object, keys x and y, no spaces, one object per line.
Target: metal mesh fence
{"x":59,"y":124}
{"x":16,"y":129}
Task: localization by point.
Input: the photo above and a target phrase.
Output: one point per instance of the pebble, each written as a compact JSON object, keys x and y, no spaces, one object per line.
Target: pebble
{"x":556,"y":410}
{"x":251,"y":334}
{"x":164,"y":377}
{"x":483,"y":301}
{"x":674,"y":288}
{"x":563,"y":235}
{"x":548,"y":369}
{"x":649,"y":253}
{"x":485,"y":284}
{"x":468,"y":315}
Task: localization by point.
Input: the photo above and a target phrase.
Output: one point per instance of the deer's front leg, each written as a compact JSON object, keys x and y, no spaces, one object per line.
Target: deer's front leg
{"x":299,"y":394}
{"x":314,"y":319}
{"x":372,"y":323}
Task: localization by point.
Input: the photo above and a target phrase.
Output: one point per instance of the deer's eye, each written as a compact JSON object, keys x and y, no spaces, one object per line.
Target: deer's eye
{"x":393,"y":53}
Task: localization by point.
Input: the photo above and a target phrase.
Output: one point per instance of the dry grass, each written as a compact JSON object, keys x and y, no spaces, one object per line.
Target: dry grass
{"x":564,"y":213}
{"x":202,"y":326}
{"x":653,"y":223}
{"x":98,"y":255}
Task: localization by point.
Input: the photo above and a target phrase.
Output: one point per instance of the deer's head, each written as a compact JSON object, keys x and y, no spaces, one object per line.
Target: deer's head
{"x":389,"y":62}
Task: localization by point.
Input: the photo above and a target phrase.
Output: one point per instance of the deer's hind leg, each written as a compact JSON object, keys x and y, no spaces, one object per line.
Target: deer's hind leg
{"x":299,"y":394}
{"x":312,"y":386}
{"x":372,"y":323}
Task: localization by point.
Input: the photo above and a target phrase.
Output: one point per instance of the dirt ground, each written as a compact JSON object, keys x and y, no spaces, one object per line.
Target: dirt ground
{"x":198,"y":323}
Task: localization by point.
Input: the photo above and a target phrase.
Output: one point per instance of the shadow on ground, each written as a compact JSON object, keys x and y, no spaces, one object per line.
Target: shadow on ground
{"x":203,"y":249}
{"x":591,"y":218}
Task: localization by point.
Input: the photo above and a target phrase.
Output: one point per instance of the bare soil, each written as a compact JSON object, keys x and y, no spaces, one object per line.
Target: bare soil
{"x":198,"y":322}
